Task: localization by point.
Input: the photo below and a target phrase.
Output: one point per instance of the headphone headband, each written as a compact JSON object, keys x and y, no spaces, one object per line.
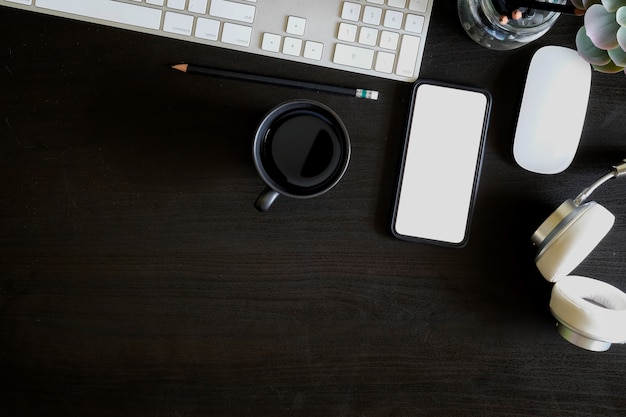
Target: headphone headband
{"x":617,"y":171}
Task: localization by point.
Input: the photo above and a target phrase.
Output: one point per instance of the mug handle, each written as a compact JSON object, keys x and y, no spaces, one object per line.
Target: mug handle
{"x":265,"y":199}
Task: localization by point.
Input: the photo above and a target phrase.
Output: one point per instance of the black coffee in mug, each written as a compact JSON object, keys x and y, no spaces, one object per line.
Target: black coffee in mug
{"x":301,"y":150}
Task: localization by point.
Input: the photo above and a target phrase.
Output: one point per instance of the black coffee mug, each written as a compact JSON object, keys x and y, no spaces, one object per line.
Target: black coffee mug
{"x":301,"y":149}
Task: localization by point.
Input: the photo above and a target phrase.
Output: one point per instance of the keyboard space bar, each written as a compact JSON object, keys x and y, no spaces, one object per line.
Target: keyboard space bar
{"x":113,"y":11}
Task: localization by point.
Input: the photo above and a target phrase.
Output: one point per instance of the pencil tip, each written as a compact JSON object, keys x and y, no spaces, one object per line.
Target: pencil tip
{"x":180,"y":67}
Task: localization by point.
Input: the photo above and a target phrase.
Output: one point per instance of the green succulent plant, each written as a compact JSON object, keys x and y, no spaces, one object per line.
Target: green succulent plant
{"x":601,"y":41}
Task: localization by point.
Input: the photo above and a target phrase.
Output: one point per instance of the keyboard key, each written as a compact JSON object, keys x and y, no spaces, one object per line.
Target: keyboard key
{"x":156,"y":2}
{"x":414,"y":23}
{"x":197,"y":6}
{"x":401,"y":4}
{"x":368,"y":36}
{"x":113,"y":11}
{"x":233,"y":11}
{"x":271,"y":42}
{"x":372,"y":15}
{"x":347,"y":32}
{"x":296,"y":25}
{"x":207,"y":29}
{"x":384,"y":62}
{"x":292,"y":46}
{"x":376,"y":1}
{"x":393,"y":19}
{"x":313,"y":50}
{"x":236,"y":34}
{"x":25,"y":2}
{"x":418,"y":5}
{"x":389,"y":40}
{"x":178,"y":23}
{"x":353,"y":56}
{"x":176,"y":4}
{"x":351,"y":11}
{"x":408,"y":55}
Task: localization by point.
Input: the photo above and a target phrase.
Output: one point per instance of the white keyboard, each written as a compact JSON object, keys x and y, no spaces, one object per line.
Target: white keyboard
{"x":383,"y":38}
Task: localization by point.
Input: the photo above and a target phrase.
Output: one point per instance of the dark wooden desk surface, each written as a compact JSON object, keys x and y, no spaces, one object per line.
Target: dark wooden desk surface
{"x":137,"y":279}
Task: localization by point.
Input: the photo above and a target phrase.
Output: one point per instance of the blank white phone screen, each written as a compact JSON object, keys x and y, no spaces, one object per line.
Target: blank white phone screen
{"x":441,"y":163}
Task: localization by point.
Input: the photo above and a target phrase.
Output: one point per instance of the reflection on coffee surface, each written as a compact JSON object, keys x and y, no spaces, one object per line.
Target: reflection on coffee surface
{"x":302,"y":150}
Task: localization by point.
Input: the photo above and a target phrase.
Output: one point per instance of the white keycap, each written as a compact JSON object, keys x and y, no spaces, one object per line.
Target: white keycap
{"x":113,"y":11}
{"x":236,"y":34}
{"x":176,"y":4}
{"x":397,"y":3}
{"x":353,"y":56}
{"x":376,"y":1}
{"x":313,"y":50}
{"x":372,"y":15}
{"x":271,"y":42}
{"x":393,"y":19}
{"x":197,"y":6}
{"x":296,"y":25}
{"x":389,"y":40}
{"x":26,"y":2}
{"x":156,"y":2}
{"x":292,"y":46}
{"x":418,"y":5}
{"x":368,"y":36}
{"x":351,"y":11}
{"x":384,"y":62}
{"x":178,"y":23}
{"x":414,"y":23}
{"x":408,"y":55}
{"x":347,"y":32}
{"x":207,"y":29}
{"x":231,"y":10}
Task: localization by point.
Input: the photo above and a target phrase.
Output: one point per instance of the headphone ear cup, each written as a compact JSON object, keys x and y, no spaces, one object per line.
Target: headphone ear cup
{"x":567,"y":244}
{"x":591,"y":313}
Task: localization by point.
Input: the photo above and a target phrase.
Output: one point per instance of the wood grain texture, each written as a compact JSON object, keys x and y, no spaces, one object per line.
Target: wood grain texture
{"x":137,"y":279}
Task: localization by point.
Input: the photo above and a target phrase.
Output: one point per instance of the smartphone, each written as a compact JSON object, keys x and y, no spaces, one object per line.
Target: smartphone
{"x":441,"y":162}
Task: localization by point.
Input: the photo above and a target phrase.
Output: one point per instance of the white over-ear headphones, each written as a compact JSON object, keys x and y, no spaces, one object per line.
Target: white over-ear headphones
{"x":590,"y":313}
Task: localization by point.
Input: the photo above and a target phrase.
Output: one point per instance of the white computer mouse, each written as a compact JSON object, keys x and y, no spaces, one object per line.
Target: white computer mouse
{"x":553,"y":109}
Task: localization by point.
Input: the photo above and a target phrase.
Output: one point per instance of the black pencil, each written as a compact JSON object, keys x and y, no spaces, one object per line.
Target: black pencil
{"x":233,"y":75}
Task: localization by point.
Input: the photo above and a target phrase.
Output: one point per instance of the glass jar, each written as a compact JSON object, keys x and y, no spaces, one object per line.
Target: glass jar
{"x":482,"y":22}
